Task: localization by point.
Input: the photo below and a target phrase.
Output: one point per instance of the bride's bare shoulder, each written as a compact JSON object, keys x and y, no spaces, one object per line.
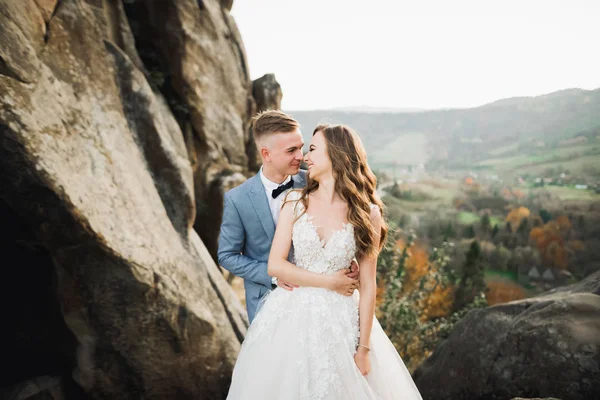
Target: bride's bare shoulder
{"x":292,"y":195}
{"x":291,"y":202}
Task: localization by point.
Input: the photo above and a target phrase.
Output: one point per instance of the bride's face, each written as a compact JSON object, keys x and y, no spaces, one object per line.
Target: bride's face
{"x":317,"y":158}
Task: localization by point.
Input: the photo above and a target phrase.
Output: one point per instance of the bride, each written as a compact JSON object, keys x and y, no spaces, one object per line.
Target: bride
{"x":314,"y":343}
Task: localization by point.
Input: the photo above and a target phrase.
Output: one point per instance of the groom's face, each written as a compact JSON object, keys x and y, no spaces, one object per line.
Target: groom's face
{"x":285,"y":152}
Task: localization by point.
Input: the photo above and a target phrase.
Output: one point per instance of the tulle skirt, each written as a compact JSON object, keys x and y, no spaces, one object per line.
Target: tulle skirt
{"x":301,"y":345}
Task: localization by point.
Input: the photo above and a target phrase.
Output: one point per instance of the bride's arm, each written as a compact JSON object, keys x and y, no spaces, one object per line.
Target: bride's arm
{"x":368,"y":292}
{"x":280,"y":267}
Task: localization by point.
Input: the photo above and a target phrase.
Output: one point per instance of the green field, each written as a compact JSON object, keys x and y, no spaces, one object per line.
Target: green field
{"x":469,"y":218}
{"x":573,"y":164}
{"x":491,"y":275}
{"x":488,"y":273}
{"x":573,"y":158}
{"x":568,"y":193}
{"x":439,"y":195}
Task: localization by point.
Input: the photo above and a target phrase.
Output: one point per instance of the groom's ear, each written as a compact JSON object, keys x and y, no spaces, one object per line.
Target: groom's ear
{"x":265,"y":154}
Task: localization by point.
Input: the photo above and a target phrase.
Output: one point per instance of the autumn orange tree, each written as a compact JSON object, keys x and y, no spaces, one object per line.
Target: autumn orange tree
{"x":550,"y":242}
{"x":516,"y":217}
{"x":423,"y":275}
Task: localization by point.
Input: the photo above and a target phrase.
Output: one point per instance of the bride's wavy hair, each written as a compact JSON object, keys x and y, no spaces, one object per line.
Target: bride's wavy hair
{"x":355,"y":183}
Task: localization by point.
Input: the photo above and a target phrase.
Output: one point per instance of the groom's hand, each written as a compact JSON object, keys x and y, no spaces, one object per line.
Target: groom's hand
{"x":354,"y":270}
{"x":286,"y":285}
{"x":342,"y":283}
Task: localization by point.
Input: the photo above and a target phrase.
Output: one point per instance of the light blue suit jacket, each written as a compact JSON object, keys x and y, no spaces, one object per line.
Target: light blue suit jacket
{"x":247,"y":231}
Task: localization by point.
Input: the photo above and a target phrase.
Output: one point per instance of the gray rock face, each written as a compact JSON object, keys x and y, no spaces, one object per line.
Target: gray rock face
{"x":196,"y":57}
{"x":94,"y":164}
{"x":539,"y":347}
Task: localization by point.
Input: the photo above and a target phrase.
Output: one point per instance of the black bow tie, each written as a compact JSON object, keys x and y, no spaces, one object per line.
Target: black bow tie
{"x":282,"y":188}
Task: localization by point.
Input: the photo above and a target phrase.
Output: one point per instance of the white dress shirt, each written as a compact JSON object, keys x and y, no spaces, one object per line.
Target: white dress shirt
{"x":274,"y":204}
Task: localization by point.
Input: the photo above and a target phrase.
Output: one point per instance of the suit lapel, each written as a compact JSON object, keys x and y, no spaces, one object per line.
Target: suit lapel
{"x":258,"y":197}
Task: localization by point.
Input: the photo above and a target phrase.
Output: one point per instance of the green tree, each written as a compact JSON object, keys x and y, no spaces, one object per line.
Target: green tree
{"x":395,"y":191}
{"x":495,"y":231}
{"x":471,"y":281}
{"x":486,"y":225}
{"x":523,"y":232}
{"x":524,"y":227}
{"x":449,"y":231}
{"x":545,"y":215}
{"x":469,"y":232}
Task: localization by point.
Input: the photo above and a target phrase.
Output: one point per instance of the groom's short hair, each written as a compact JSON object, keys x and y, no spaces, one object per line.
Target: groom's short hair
{"x":269,"y":122}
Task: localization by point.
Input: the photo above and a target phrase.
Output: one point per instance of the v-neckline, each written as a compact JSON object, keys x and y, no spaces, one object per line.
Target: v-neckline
{"x":322,"y":242}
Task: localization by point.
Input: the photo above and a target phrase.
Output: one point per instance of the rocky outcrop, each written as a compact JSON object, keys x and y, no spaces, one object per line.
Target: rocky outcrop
{"x":267,"y":95}
{"x":196,"y":58}
{"x":97,"y":183}
{"x":539,"y":347}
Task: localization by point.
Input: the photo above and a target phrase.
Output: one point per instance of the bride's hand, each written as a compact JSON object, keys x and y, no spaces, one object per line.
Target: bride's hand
{"x":362,"y":360}
{"x":342,"y":283}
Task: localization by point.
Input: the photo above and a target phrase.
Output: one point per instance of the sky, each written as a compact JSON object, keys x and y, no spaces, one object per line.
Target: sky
{"x":419,"y":53}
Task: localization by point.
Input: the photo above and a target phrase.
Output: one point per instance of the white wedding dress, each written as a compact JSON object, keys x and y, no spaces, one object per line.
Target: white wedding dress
{"x":301,"y":344}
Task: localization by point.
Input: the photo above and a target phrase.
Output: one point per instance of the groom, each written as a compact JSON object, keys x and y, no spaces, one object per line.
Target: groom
{"x":251,"y":210}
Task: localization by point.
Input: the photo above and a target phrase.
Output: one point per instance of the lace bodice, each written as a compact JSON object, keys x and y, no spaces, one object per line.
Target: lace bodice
{"x":314,"y":254}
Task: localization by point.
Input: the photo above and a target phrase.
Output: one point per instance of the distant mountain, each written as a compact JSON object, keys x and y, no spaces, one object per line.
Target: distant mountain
{"x":514,"y":127}
{"x":379,"y":110}
{"x":562,"y":94}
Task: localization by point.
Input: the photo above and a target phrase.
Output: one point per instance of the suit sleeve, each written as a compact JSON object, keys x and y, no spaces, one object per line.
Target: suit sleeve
{"x":231,"y":243}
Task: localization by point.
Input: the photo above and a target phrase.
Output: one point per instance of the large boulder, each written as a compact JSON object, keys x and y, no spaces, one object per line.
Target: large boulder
{"x":98,"y":190}
{"x":546,"y":346}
